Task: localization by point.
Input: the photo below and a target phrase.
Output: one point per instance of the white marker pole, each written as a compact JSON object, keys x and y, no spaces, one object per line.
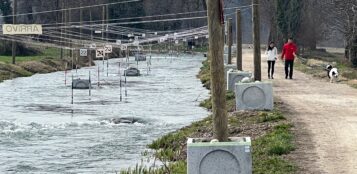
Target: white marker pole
{"x":90,"y":85}
{"x":98,"y":76}
{"x":121,"y":98}
{"x":107,"y":66}
{"x":72,"y":90}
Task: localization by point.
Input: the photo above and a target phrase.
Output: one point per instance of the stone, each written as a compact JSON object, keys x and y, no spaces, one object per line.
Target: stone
{"x":132,"y":72}
{"x":254,"y":96}
{"x":234,"y":77}
{"x":212,"y":157}
{"x":81,"y":84}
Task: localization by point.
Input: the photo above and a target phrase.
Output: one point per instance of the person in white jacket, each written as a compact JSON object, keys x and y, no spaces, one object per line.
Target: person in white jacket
{"x":272,"y":56}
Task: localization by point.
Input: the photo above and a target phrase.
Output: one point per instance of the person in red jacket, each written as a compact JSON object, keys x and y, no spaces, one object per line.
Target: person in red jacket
{"x":289,"y":54}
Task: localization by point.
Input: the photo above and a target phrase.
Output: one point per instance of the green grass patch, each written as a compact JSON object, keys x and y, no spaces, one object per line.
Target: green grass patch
{"x":269,"y":148}
{"x":274,"y":139}
{"x":45,"y":53}
{"x":270,"y":116}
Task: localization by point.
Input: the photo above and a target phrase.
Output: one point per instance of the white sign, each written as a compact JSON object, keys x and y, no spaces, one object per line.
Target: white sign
{"x":93,"y":46}
{"x":99,"y":53}
{"x":196,"y":37}
{"x":97,"y":31}
{"x":10,"y":29}
{"x":155,"y":33}
{"x":118,"y":42}
{"x":108,"y":48}
{"x":83,"y":52}
{"x":207,"y":36}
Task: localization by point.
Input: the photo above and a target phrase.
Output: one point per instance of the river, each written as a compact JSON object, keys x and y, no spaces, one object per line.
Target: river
{"x":42,"y":132}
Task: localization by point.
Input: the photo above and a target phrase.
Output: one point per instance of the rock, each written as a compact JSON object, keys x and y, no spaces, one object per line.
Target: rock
{"x":246,"y":80}
{"x":126,"y":120}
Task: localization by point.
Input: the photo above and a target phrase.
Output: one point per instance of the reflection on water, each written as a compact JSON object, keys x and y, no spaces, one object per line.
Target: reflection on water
{"x":41,"y":132}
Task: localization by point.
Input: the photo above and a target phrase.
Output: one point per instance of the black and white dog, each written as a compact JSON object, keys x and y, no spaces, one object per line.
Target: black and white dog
{"x":332,"y":73}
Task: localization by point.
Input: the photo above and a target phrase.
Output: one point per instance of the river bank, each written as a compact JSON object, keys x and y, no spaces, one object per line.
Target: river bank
{"x":47,"y":62}
{"x":271,"y":132}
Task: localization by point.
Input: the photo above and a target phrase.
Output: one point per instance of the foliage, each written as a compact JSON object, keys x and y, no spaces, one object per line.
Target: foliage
{"x":289,"y":17}
{"x":5,"y":8}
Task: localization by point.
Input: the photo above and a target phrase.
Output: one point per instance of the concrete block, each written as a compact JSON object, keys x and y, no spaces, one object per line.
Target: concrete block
{"x":205,"y":157}
{"x":254,"y":96}
{"x":81,"y":84}
{"x":132,"y":72}
{"x":227,"y":67}
{"x":234,"y":77}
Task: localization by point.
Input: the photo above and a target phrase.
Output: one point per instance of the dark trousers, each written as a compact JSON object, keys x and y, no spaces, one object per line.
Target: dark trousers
{"x":271,"y":67}
{"x":289,"y":65}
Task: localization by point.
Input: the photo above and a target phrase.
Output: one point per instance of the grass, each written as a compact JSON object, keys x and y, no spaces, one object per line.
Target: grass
{"x":269,"y":149}
{"x":347,"y":72}
{"x":46,"y":53}
{"x":271,"y":133}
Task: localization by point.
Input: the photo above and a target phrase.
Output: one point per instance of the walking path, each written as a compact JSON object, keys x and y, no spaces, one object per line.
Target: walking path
{"x":325,"y":119}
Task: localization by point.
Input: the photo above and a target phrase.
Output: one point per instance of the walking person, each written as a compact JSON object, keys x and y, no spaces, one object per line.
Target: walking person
{"x":272,"y":56}
{"x":288,"y":55}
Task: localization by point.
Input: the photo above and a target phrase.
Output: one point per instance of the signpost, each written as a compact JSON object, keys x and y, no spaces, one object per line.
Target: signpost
{"x":99,"y":53}
{"x":108,"y":49}
{"x":21,"y":29}
{"x":83,"y":52}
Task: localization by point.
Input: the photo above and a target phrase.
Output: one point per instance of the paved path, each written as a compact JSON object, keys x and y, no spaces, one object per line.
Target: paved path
{"x":325,"y":118}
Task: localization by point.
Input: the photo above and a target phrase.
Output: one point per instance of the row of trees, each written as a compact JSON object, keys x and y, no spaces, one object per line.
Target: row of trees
{"x":311,"y":22}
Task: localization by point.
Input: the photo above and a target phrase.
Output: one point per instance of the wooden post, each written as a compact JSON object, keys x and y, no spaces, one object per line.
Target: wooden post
{"x":256,"y":41}
{"x":230,"y":40}
{"x":13,"y":42}
{"x":239,"y":41}
{"x":218,"y":86}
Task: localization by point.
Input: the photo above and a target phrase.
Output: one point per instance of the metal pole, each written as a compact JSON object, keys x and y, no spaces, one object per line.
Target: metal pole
{"x":98,"y":76}
{"x":72,"y":90}
{"x":90,"y":85}
{"x":120,"y":86}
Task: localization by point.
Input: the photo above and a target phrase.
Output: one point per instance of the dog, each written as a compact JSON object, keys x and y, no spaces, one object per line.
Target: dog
{"x":332,"y":73}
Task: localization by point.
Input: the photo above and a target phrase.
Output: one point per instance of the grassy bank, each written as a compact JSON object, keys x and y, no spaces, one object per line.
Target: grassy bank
{"x":270,"y":131}
{"x":314,"y":63}
{"x":47,"y":61}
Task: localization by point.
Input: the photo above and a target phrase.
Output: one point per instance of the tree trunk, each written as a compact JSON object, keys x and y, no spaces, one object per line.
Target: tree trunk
{"x":218,"y":86}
